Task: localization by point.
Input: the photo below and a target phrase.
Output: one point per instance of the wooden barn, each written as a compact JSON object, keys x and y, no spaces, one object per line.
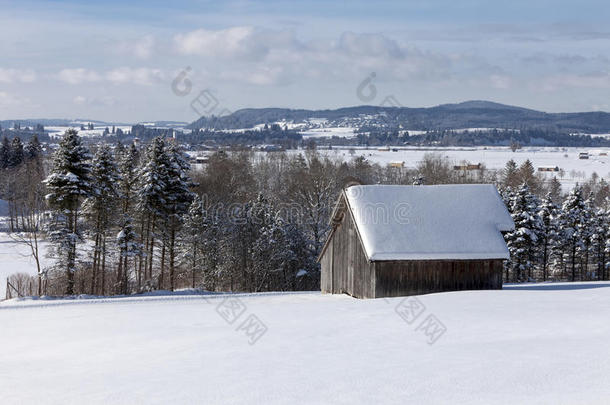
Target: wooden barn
{"x":389,"y":240}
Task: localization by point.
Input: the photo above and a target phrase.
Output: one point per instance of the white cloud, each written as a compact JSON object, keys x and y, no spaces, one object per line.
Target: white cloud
{"x":142,"y":48}
{"x":17,"y":76}
{"x":235,"y":42}
{"x":95,"y":101}
{"x":276,"y":57}
{"x":369,"y":45}
{"x":78,"y":76}
{"x":121,"y":75}
{"x":141,"y":76}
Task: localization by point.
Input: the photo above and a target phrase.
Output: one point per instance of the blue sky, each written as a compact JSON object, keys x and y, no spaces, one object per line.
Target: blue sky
{"x":116,"y":60}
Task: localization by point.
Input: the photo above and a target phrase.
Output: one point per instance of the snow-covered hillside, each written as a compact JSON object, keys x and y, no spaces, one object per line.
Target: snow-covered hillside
{"x":525,"y":344}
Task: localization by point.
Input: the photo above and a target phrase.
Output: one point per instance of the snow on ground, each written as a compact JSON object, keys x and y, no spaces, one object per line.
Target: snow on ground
{"x":16,"y":258}
{"x":57,"y":131}
{"x":533,"y":343}
{"x":342,"y":132}
{"x":576,"y":170}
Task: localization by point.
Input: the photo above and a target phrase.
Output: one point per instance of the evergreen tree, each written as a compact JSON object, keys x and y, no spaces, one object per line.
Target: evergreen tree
{"x":178,"y":197}
{"x":192,"y":238}
{"x":549,"y":233}
{"x":33,"y":149}
{"x":100,"y":208}
{"x":151,"y":202}
{"x":555,"y":189}
{"x":129,"y":248}
{"x":600,"y":237}
{"x":586,"y":231}
{"x":128,"y":179}
{"x":572,"y":220}
{"x":523,"y":240}
{"x":5,"y":153}
{"x":16,"y":154}
{"x":68,"y":184}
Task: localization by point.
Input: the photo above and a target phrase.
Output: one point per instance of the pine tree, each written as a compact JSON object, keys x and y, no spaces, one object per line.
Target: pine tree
{"x":549,"y":233}
{"x":572,"y":220}
{"x":192,"y":238}
{"x":100,"y":208}
{"x":151,"y":202}
{"x":178,"y":198}
{"x":600,"y":237}
{"x":555,"y":189}
{"x":68,"y":184}
{"x":129,"y":248}
{"x":16,"y":155}
{"x":128,"y":179}
{"x":586,"y":232}
{"x":5,"y":152}
{"x":33,"y":149}
{"x":522,"y":242}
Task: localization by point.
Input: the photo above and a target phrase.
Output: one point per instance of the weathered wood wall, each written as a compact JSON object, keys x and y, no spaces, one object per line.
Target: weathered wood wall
{"x":400,"y":278}
{"x":345,"y":268}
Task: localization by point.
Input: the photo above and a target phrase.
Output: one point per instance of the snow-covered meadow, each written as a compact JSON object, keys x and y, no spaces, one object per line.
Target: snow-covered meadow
{"x":567,"y":159}
{"x":98,"y":130}
{"x":16,"y":257}
{"x":533,"y":343}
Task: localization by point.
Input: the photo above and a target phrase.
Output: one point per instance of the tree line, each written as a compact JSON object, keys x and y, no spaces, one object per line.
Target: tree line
{"x":127,"y":219}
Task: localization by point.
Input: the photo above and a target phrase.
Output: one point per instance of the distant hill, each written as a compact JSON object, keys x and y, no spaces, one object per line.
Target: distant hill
{"x":469,"y":114}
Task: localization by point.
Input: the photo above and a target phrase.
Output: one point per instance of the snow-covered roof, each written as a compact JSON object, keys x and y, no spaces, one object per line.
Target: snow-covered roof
{"x":460,"y":222}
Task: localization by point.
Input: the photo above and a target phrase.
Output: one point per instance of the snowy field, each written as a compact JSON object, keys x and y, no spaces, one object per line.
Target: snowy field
{"x":16,"y":258}
{"x":536,"y":343}
{"x":98,"y":130}
{"x":576,"y":170}
{"x":342,"y":132}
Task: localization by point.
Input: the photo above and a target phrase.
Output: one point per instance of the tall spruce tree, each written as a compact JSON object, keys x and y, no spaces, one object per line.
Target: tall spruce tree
{"x":151,"y":203}
{"x":128,"y":179}
{"x":178,"y":198}
{"x":16,"y":155}
{"x":192,"y":239}
{"x":68,"y":184}
{"x":129,"y":249}
{"x":100,"y":209}
{"x":572,"y":221}
{"x":549,"y":233}
{"x":522,"y":242}
{"x":586,"y":231}
{"x":5,"y":152}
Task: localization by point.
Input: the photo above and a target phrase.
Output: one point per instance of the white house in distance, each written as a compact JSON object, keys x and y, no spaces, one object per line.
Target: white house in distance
{"x":392,"y":240}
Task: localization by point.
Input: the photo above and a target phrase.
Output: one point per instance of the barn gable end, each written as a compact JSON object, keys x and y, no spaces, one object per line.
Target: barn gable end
{"x":346,"y":268}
